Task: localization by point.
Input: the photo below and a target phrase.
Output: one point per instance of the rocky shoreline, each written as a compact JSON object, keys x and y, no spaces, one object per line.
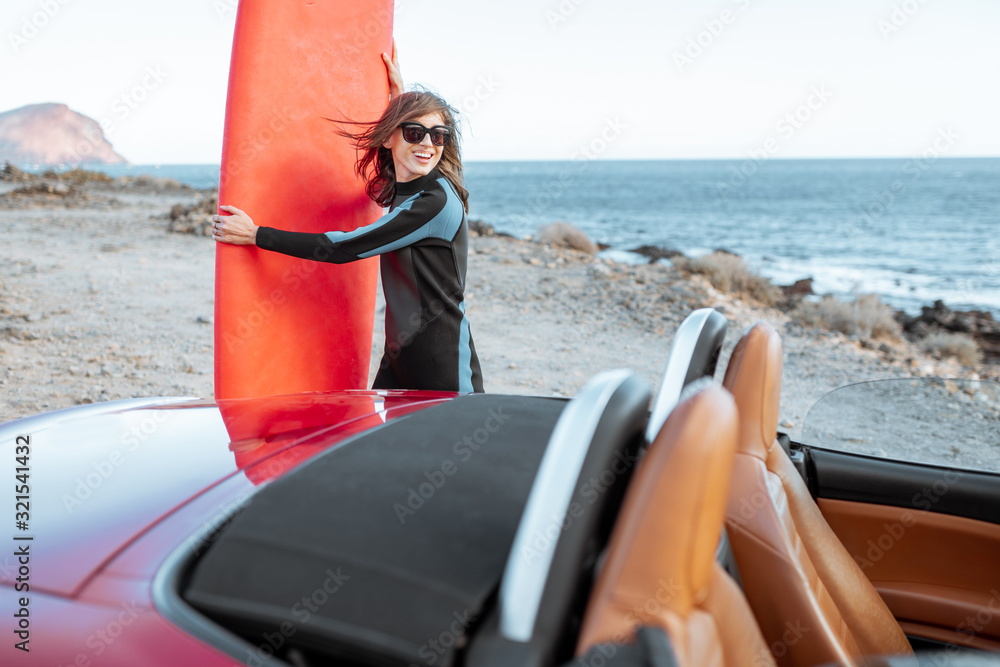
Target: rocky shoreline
{"x":99,"y":301}
{"x":978,"y":325}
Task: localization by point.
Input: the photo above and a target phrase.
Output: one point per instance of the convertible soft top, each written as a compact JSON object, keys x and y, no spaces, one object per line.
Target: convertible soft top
{"x":386,"y":548}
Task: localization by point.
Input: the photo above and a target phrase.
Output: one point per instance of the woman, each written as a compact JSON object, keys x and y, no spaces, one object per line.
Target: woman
{"x":412,"y":163}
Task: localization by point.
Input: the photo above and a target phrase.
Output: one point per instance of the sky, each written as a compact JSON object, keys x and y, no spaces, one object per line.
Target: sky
{"x":549,"y":79}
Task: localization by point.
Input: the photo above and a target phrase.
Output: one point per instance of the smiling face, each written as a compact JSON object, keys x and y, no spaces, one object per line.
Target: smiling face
{"x":415,"y":160}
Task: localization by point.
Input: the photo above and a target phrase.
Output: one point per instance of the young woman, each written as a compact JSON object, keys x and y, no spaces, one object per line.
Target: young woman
{"x":412,"y":163}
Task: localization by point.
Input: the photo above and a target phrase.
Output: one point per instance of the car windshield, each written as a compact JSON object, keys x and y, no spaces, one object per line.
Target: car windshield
{"x":946,"y":422}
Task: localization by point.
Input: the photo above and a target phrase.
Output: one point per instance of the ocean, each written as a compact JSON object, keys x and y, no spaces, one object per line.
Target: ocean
{"x":910,"y":230}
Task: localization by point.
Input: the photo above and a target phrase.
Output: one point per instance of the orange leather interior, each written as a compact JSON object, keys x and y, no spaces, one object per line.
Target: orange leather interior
{"x":939,"y":574}
{"x":660,"y":569}
{"x":813,"y":603}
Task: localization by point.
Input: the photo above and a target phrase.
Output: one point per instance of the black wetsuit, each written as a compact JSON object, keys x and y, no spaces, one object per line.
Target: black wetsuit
{"x":423,"y":240}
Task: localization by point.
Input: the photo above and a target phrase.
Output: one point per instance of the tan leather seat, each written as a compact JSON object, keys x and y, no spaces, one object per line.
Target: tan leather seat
{"x":660,"y":569}
{"x":813,"y":603}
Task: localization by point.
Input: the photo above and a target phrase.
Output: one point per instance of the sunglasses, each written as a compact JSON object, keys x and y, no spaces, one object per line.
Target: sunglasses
{"x":413,"y":133}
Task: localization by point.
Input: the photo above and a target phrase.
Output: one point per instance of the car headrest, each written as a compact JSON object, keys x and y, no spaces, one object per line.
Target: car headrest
{"x":662,"y":549}
{"x":693,"y":355}
{"x":567,"y":520}
{"x":753,"y":376}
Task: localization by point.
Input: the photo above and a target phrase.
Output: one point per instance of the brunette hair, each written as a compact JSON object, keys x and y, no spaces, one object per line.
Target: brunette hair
{"x":375,"y":164}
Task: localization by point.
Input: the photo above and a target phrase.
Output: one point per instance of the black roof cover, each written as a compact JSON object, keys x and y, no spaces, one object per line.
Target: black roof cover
{"x":387,"y":543}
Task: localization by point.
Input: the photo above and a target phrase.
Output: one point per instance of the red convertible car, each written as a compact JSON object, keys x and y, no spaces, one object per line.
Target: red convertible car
{"x":408,"y":528}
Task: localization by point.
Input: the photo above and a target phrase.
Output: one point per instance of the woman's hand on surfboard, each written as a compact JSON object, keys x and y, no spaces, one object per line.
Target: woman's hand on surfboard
{"x":392,"y":69}
{"x":236,"y":228}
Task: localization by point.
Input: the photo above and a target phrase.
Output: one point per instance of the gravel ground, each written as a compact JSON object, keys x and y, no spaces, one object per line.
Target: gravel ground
{"x":98,"y":302}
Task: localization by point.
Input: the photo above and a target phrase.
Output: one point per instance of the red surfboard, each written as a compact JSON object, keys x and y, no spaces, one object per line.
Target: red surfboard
{"x":286,"y":325}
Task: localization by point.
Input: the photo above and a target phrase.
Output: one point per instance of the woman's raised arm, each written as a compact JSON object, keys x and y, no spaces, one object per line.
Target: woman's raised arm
{"x":392,"y":70}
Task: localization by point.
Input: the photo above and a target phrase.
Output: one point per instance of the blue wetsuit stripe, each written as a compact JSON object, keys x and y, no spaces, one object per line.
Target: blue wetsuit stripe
{"x":442,"y":226}
{"x":341,"y":237}
{"x":464,"y":354}
{"x":407,"y":223}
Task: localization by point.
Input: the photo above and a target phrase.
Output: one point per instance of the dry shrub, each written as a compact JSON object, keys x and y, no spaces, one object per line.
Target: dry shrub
{"x":959,"y":345}
{"x":55,"y":189}
{"x":12,"y":174}
{"x":729,"y":273}
{"x":565,"y":235}
{"x":866,"y":317}
{"x":78,"y":176}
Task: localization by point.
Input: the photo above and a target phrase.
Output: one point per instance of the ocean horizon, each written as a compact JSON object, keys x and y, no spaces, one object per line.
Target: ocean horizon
{"x":912,"y":230}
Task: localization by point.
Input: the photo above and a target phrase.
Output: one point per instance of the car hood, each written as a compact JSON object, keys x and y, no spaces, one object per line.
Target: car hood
{"x":101,"y":475}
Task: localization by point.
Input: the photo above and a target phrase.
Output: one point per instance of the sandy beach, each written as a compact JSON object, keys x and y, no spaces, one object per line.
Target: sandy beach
{"x":98,"y":301}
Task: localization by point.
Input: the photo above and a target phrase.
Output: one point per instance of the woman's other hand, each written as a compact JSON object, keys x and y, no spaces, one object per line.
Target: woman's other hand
{"x":236,"y":228}
{"x":392,"y":69}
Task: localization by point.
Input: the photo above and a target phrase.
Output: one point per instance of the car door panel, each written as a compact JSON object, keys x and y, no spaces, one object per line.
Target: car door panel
{"x":927,"y":537}
{"x":936,"y":572}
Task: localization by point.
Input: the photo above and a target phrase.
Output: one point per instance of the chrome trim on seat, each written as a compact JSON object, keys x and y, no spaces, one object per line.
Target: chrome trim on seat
{"x":528,"y":567}
{"x":705,"y":326}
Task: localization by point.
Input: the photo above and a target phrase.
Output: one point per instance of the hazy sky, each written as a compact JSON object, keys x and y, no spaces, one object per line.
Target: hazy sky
{"x":540,"y":79}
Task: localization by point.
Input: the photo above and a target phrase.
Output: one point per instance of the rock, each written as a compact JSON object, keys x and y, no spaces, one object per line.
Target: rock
{"x":480,"y":228}
{"x":599,"y":270}
{"x":654,"y":253}
{"x":17,"y":334}
{"x":939,"y":317}
{"x":723,"y":251}
{"x":195,"y":219}
{"x":53,"y":133}
{"x":146,"y":181}
{"x":11,"y":174}
{"x":55,"y":189}
{"x":803,"y":287}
